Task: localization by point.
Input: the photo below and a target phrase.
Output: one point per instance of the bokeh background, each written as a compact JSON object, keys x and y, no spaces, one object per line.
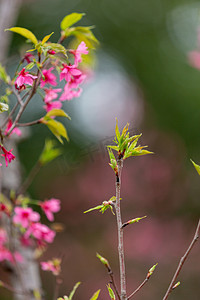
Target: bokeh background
{"x":141,"y":76}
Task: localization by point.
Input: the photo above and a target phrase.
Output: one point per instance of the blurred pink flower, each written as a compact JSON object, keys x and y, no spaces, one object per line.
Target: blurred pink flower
{"x":69,"y":71}
{"x":51,"y":94}
{"x":49,"y":207}
{"x":41,"y":232}
{"x":7,"y":155}
{"x":70,"y":93}
{"x":24,"y":78}
{"x":194,"y":59}
{"x":48,"y":77}
{"x":25,"y":216}
{"x":81,"y":49}
{"x":52,"y":265}
{"x":16,"y":130}
{"x":51,"y":105}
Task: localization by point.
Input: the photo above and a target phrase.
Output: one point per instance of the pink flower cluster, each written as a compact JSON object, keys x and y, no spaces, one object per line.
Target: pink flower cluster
{"x":29,"y":220}
{"x":70,"y":73}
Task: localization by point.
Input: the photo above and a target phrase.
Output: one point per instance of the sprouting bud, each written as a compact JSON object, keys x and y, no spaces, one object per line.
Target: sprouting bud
{"x":103,"y":260}
{"x":151,"y":271}
{"x":176,"y":285}
{"x":111,"y":293}
{"x":136,"y":220}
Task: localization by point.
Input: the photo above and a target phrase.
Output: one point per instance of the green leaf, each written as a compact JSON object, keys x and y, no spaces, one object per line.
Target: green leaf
{"x":94,"y":208}
{"x":3,"y":107}
{"x":71,"y":19}
{"x":117,"y":130}
{"x":25,"y":33}
{"x":56,"y":128}
{"x":197,"y":167}
{"x":57,"y":113}
{"x":49,"y":153}
{"x":95,"y":295}
{"x":74,"y":290}
{"x":45,"y":39}
{"x":30,"y":66}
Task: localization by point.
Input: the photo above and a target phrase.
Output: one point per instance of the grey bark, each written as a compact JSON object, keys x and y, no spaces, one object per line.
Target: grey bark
{"x":25,"y":276}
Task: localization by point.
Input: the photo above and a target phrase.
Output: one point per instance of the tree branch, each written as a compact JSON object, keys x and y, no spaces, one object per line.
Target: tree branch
{"x":182,"y":261}
{"x":120,"y":232}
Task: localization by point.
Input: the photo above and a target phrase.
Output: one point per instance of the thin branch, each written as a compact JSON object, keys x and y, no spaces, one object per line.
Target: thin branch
{"x":182,"y":260}
{"x":139,"y":287}
{"x":29,"y":123}
{"x":120,"y":231}
{"x":19,"y":99}
{"x":112,"y":281}
{"x":30,"y":178}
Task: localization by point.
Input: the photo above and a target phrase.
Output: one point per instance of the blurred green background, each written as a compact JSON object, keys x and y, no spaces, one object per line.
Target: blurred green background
{"x":142,"y":76}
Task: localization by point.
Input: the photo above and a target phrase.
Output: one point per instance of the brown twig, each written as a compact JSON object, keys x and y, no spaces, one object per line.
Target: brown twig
{"x":139,"y":287}
{"x":182,"y":260}
{"x":112,"y":281}
{"x":29,"y":123}
{"x":120,"y":231}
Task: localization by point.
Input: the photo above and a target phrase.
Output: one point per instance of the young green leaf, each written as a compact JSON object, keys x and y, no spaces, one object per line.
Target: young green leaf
{"x":71,"y":19}
{"x":197,"y":167}
{"x":74,"y":290}
{"x":57,"y":113}
{"x":49,"y":153}
{"x":95,"y":295}
{"x":56,"y":128}
{"x":45,"y":39}
{"x":117,"y":130}
{"x":25,"y":33}
{"x":94,"y":208}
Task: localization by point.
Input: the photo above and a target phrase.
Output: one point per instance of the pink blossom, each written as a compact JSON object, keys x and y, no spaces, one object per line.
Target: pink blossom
{"x":41,"y":232}
{"x":81,"y":49}
{"x":69,"y":71}
{"x":27,"y":57}
{"x":51,"y":105}
{"x":24,"y":78}
{"x":48,"y":77}
{"x":7,"y":155}
{"x":69,"y":93}
{"x":25,"y":216}
{"x":16,"y":130}
{"x":52,"y":265}
{"x":51,"y":94}
{"x":194,"y":59}
{"x":49,"y":207}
